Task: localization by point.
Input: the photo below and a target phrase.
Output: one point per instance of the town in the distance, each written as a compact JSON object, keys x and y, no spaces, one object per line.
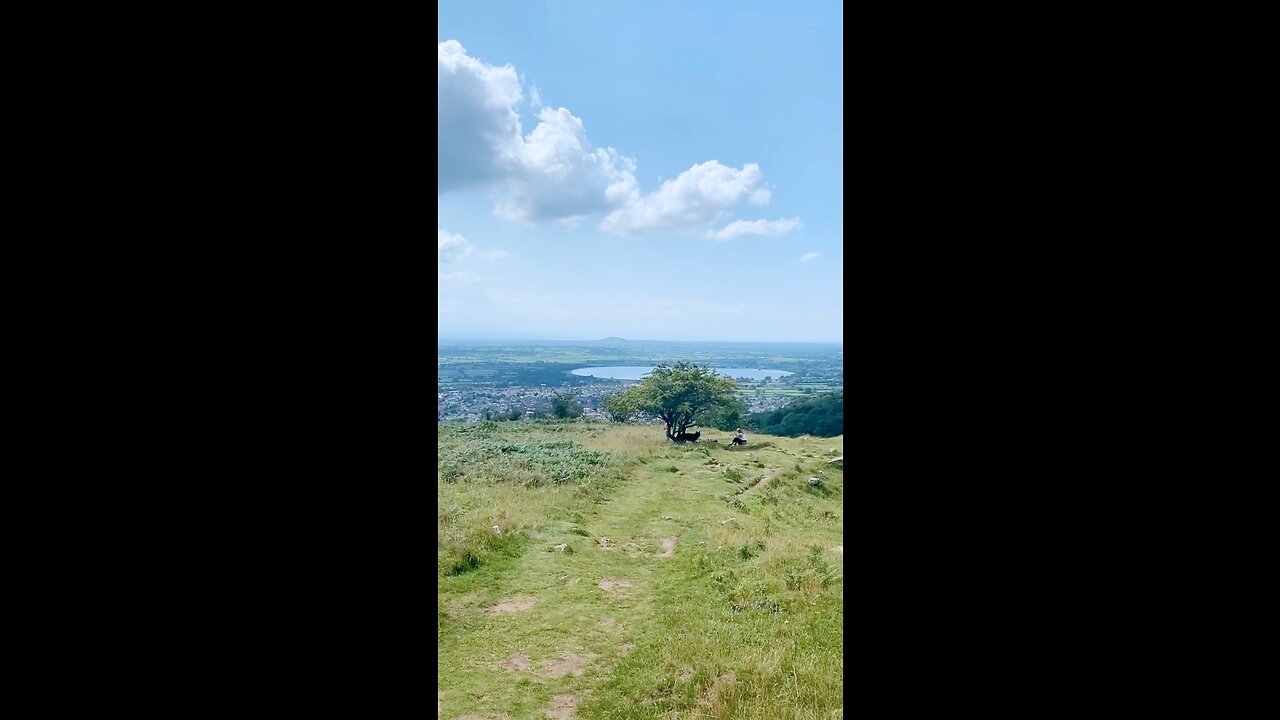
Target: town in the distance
{"x":520,"y":379}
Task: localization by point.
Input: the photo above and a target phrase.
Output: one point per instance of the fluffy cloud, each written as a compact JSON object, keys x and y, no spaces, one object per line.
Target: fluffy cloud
{"x":696,"y":197}
{"x":454,"y":247}
{"x":738,"y":228}
{"x":810,"y":256}
{"x":554,"y":173}
{"x":451,"y":247}
{"x":476,"y":124}
{"x":560,"y":175}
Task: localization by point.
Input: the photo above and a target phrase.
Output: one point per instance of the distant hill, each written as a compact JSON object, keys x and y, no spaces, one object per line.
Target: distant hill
{"x":614,"y":340}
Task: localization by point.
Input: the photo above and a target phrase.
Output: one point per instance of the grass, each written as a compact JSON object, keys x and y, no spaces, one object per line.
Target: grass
{"x":744,"y":621}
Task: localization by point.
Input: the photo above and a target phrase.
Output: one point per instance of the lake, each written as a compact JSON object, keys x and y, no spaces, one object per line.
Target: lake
{"x":636,"y":372}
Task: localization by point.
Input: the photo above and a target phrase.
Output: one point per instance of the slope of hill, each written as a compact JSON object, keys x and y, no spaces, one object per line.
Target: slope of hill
{"x":598,"y":571}
{"x":821,"y":415}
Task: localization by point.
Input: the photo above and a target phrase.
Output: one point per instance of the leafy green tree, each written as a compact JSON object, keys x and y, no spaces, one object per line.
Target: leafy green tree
{"x":728,"y":416}
{"x":679,"y":394}
{"x":817,"y":415}
{"x":619,"y":410}
{"x":564,"y":406}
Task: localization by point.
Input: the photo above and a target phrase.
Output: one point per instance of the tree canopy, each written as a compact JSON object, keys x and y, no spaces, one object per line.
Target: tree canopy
{"x":564,"y":406}
{"x":679,"y":394}
{"x":818,"y":415}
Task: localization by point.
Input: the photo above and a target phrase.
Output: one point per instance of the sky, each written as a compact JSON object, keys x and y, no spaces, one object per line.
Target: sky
{"x":647,"y":170}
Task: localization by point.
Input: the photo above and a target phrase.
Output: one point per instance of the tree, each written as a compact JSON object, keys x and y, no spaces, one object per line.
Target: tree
{"x":618,"y":409}
{"x":564,"y":406}
{"x":817,"y":415}
{"x":678,"y":394}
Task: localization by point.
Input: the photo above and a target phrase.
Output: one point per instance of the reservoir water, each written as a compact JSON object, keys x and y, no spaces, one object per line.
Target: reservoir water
{"x":636,"y":372}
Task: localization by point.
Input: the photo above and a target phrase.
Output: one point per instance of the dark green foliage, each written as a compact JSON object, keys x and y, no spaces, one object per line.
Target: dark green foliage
{"x":678,"y":394}
{"x":468,"y":563}
{"x":618,"y":408}
{"x":564,"y":406}
{"x":727,"y":416}
{"x":819,"y":415}
{"x":534,"y":463}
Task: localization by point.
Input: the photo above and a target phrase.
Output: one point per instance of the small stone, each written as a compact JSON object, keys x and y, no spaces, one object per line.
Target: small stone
{"x":816,"y":482}
{"x":561,"y":547}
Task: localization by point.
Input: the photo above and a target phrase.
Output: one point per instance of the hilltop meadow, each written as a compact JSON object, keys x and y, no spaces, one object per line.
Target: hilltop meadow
{"x":598,"y":570}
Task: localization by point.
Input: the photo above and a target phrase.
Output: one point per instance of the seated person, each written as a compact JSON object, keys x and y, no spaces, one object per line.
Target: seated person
{"x":739,"y":437}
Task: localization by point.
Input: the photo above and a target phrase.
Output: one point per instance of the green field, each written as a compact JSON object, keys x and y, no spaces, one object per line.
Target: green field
{"x":716,"y":593}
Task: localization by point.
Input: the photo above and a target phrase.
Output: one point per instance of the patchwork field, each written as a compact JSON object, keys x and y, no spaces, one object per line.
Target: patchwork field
{"x":598,"y":571}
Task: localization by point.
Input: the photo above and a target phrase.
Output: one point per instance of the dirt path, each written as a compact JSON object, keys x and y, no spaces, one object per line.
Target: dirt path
{"x":535,"y":639}
{"x":567,"y":614}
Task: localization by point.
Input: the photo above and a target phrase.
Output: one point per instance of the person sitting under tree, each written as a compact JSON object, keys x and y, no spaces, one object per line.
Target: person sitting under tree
{"x":739,"y":437}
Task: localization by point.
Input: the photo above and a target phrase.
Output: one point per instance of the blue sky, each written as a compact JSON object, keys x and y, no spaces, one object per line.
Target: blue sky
{"x":647,"y":170}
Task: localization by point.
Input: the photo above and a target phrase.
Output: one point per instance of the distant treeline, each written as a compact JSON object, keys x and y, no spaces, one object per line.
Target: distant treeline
{"x":820,"y":416}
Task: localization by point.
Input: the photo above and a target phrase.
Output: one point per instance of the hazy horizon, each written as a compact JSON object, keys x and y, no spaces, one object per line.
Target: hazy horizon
{"x":641,"y":170}
{"x":549,"y":338}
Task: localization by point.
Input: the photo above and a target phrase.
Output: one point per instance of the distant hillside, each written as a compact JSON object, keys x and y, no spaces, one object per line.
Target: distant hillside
{"x":820,"y":416}
{"x":614,"y":340}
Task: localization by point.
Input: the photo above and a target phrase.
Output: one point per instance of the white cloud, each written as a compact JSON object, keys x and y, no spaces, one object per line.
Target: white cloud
{"x":476,"y":123}
{"x":455,"y":247}
{"x":696,"y":197}
{"x":451,"y":247}
{"x":810,"y":256}
{"x":560,"y":175}
{"x":738,"y":228}
{"x":554,"y":173}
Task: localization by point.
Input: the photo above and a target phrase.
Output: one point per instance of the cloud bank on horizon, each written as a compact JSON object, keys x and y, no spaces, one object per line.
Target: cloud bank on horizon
{"x":555,"y":174}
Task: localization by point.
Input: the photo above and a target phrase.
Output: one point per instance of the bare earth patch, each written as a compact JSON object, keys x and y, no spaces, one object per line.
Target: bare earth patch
{"x":625,"y":648}
{"x":607,"y":622}
{"x":605,"y":544}
{"x":610,"y":585}
{"x":568,"y":664}
{"x":562,"y":707}
{"x":515,"y":663}
{"x":668,"y":547}
{"x":509,"y":607}
{"x":715,"y":694}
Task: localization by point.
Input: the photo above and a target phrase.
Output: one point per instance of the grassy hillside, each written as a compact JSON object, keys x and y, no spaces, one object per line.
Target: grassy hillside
{"x":629,"y":577}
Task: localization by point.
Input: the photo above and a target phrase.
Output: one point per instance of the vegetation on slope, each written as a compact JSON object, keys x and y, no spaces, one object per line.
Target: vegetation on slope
{"x":632,"y":578}
{"x":819,"y":415}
